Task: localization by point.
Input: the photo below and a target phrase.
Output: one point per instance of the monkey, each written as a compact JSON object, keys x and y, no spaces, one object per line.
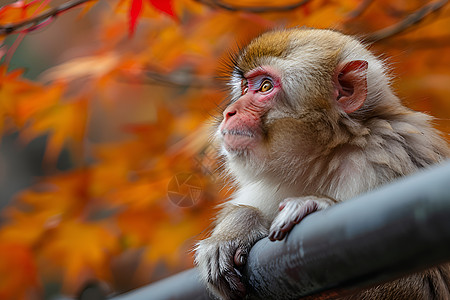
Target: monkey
{"x":312,"y":121}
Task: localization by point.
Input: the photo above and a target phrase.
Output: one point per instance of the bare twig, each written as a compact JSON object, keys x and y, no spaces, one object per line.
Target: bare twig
{"x":34,"y":23}
{"x":253,"y":9}
{"x":182,"y":80}
{"x":406,"y":23}
{"x":360,"y":9}
{"x":176,"y":80}
{"x":442,"y":41}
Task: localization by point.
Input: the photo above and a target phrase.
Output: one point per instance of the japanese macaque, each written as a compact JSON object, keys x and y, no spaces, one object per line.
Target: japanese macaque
{"x":312,"y":121}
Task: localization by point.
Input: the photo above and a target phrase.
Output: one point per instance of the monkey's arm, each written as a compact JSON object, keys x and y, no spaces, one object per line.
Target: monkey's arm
{"x":293,"y":210}
{"x":220,"y":256}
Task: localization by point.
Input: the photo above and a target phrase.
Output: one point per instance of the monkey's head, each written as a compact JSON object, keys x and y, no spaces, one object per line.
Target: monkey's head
{"x":297,"y":95}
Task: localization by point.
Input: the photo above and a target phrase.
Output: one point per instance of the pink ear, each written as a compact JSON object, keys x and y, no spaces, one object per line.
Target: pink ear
{"x":350,"y":83}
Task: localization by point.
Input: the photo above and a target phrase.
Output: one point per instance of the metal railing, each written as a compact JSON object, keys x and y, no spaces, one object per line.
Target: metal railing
{"x":379,"y":236}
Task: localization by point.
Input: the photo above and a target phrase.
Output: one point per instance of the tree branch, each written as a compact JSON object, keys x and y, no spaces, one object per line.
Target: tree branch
{"x":360,"y":9}
{"x":408,"y":22}
{"x":252,"y":9}
{"x":442,"y":41}
{"x":181,"y":79}
{"x":175,"y":80}
{"x":35,"y":22}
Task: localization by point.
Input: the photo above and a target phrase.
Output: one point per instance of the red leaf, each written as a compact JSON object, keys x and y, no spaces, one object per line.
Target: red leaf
{"x":135,"y":11}
{"x":163,"y":5}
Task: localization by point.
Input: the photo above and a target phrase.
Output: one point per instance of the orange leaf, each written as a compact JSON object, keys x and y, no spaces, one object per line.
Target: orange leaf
{"x":18,"y":273}
{"x":171,"y":240}
{"x":18,"y":11}
{"x":64,"y":121}
{"x":138,"y":225}
{"x":21,"y":99}
{"x":78,"y":248}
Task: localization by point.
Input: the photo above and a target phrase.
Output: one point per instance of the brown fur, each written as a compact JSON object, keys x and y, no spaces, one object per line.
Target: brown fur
{"x":431,"y":284}
{"x":273,"y":45}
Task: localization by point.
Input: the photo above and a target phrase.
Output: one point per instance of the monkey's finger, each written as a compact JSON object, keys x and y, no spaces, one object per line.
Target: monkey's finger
{"x":284,"y":202}
{"x":282,"y":231}
{"x":281,"y":206}
{"x":277,"y":235}
{"x":307,"y":208}
{"x":288,"y":226}
{"x":293,"y":211}
{"x":229,"y":279}
{"x":232,"y":286}
{"x":240,"y":257}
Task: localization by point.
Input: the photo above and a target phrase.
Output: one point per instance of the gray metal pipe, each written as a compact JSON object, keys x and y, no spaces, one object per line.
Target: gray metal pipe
{"x":182,"y":286}
{"x":395,"y":230}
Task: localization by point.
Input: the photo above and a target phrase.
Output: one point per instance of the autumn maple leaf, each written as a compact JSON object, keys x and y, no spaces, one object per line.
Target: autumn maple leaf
{"x":164,"y":6}
{"x":135,"y":11}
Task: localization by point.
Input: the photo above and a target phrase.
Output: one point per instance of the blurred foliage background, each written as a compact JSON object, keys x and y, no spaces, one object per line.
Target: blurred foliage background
{"x":106,"y":174}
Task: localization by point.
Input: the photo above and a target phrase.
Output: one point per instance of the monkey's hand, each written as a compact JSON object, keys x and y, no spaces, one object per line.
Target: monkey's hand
{"x":220,"y":258}
{"x":292,"y":211}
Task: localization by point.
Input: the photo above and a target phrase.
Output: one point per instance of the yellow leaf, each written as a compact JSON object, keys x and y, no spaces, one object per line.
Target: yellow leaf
{"x":76,"y":246}
{"x":63,"y":121}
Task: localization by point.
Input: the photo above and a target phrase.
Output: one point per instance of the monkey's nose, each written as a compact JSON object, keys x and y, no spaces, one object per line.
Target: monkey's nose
{"x":228,"y":113}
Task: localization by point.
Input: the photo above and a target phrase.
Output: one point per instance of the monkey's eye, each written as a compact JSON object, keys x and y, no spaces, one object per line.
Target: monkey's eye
{"x":244,"y":86}
{"x":266,"y":86}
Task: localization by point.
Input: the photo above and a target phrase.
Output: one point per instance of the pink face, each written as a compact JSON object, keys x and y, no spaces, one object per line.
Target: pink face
{"x":241,"y":127}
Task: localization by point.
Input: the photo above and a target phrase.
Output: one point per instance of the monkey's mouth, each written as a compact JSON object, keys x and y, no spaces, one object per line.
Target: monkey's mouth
{"x":238,"y":132}
{"x":238,"y":139}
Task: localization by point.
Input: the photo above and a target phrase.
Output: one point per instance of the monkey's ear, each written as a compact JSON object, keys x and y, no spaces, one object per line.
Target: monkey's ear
{"x":350,"y":85}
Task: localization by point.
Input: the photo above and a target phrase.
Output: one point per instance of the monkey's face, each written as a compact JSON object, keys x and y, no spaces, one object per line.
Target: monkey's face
{"x":290,"y":91}
{"x":242,"y":127}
